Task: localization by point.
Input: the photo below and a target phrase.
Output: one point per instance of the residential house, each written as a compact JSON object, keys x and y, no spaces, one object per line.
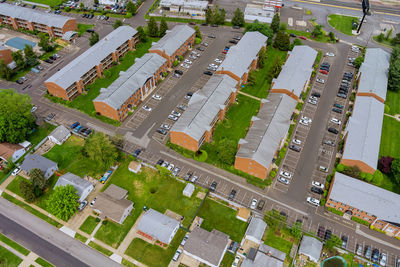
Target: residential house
{"x":206,"y":247}
{"x":206,"y":107}
{"x":242,"y":58}
{"x":367,"y":202}
{"x":255,"y":230}
{"x":59,"y":135}
{"x":175,"y":43}
{"x":82,"y":186}
{"x":131,"y":87}
{"x":156,"y":226}
{"x":265,"y":256}
{"x":18,"y":17}
{"x":193,"y":7}
{"x":112,"y":204}
{"x":311,"y":248}
{"x":70,"y":81}
{"x":13,"y":151}
{"x":35,"y":161}
{"x":5,"y":54}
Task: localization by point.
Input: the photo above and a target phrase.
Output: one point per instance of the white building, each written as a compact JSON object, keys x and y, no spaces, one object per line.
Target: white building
{"x":193,"y":7}
{"x":254,"y":12}
{"x":59,"y":135}
{"x":255,"y":230}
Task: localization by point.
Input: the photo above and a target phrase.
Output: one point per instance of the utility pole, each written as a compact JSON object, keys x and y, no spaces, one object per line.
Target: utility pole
{"x":365,"y":7}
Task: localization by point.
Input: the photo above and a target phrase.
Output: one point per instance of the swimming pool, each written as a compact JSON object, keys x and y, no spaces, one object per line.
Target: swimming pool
{"x":335,"y":261}
{"x":19,"y":43}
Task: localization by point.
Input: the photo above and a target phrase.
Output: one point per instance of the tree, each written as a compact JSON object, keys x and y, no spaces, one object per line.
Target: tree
{"x":282,"y":41}
{"x":117,"y":23}
{"x":81,"y":7}
{"x":295,"y":230}
{"x":283,"y":27}
{"x":37,"y":178}
{"x":226,"y":150}
{"x":16,"y":119}
{"x":117,"y":140}
{"x":5,"y":71}
{"x":396,"y":40}
{"x":276,"y":20}
{"x":377,"y":178}
{"x":380,"y":37}
{"x":63,"y":202}
{"x":238,"y":18}
{"x":198,"y":33}
{"x":163,"y":27}
{"x":317,"y":31}
{"x":385,"y":164}
{"x":220,"y":18}
{"x":396,"y":170}
{"x":18,"y":57}
{"x":142,"y":34}
{"x":209,"y":16}
{"x":96,"y":2}
{"x":152,"y":27}
{"x":389,"y":34}
{"x":94,"y":38}
{"x":262,"y":56}
{"x":100,"y":149}
{"x":276,"y":67}
{"x":332,"y":36}
{"x":44,"y":43}
{"x":131,"y":7}
{"x":30,"y":56}
{"x":394,"y":76}
{"x":332,"y":242}
{"x":260,"y":27}
{"x":27,"y":191}
{"x":358,"y":61}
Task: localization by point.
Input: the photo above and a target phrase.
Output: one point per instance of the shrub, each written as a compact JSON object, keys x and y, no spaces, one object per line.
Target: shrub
{"x":128,"y":15}
{"x":335,"y":211}
{"x":67,"y":9}
{"x":197,"y":41}
{"x":323,"y":201}
{"x":104,"y":222}
{"x":97,"y":219}
{"x":273,"y":173}
{"x":360,"y":221}
{"x":363,"y":175}
{"x":200,"y":155}
{"x":165,"y":74}
{"x":369,"y":177}
{"x":176,"y":63}
{"x":387,"y":108}
{"x":325,"y":193}
{"x":340,"y":167}
{"x":385,"y":164}
{"x":377,"y":178}
{"x":180,"y":58}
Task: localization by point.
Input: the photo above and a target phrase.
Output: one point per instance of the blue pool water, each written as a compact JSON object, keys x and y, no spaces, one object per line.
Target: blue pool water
{"x":19,"y":43}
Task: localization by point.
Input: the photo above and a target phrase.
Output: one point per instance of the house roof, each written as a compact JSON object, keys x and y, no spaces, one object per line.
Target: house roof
{"x":256,"y":12}
{"x":7,"y":150}
{"x":297,"y":70}
{"x":256,"y":228}
{"x":311,"y":247}
{"x":92,"y":57}
{"x":33,"y":15}
{"x":189,"y":189}
{"x":383,"y":204}
{"x":116,"y":192}
{"x":204,"y":106}
{"x":157,"y":225}
{"x":273,"y":252}
{"x":184,"y":3}
{"x":35,"y":161}
{"x":364,"y":131}
{"x":262,"y":260}
{"x":374,"y":72}
{"x":60,"y":133}
{"x":268,"y":129}
{"x":77,"y":182}
{"x":240,"y":56}
{"x":68,"y":35}
{"x":173,"y":39}
{"x":209,"y":246}
{"x":131,"y":80}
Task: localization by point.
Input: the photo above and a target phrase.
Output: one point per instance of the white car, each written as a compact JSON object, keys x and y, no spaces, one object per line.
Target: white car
{"x":147,"y":108}
{"x":185,"y":239}
{"x":34,"y":108}
{"x":176,"y":113}
{"x":217,"y":60}
{"x":307,"y":119}
{"x":253,"y":204}
{"x":330,"y":54}
{"x":323,"y":169}
{"x":157,"y":97}
{"x":187,"y":61}
{"x":165,"y":164}
{"x":320,"y":80}
{"x":195,"y":53}
{"x":286,"y":174}
{"x":213,"y":65}
{"x":93,"y":201}
{"x":170,"y":167}
{"x":16,"y":171}
{"x":336,"y":121}
{"x":312,"y":101}
{"x":304,"y":122}
{"x":283,"y":180}
{"x":317,"y":184}
{"x":314,"y":98}
{"x":296,"y":141}
{"x":313,"y":201}
{"x":236,"y":261}
{"x":166,"y":126}
{"x":193,"y":57}
{"x":172,"y":117}
{"x":184,"y":65}
{"x":383,"y":259}
{"x":177,"y":254}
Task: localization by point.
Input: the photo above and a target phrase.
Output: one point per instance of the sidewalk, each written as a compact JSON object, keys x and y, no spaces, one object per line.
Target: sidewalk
{"x":27,"y":260}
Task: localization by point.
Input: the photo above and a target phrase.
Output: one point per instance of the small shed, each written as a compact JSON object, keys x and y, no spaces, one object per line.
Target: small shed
{"x":243,"y":214}
{"x":134,"y":166}
{"x":59,"y":135}
{"x":189,"y":189}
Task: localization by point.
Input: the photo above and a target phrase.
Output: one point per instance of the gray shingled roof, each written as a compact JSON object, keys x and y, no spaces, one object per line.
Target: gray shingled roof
{"x":204,"y":105}
{"x":174,"y":39}
{"x":262,"y":260}
{"x":33,"y":15}
{"x":364,"y":131}
{"x":374,"y":72}
{"x":256,"y":228}
{"x":157,"y":225}
{"x":209,"y":246}
{"x":35,"y":161}
{"x":311,"y":247}
{"x":383,"y":204}
{"x":92,"y":57}
{"x":131,"y":80}
{"x":297,"y":69}
{"x":60,"y":133}
{"x":184,"y":3}
{"x":240,"y":56}
{"x":269,"y":128}
{"x":273,"y":251}
{"x":77,"y":182}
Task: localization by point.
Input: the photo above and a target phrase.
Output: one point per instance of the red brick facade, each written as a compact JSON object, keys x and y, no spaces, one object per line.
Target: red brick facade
{"x":6,"y":56}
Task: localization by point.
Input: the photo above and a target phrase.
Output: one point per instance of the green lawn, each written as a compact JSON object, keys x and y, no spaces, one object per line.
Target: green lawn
{"x":279,"y":239}
{"x":222,"y":218}
{"x":390,"y":142}
{"x":342,"y":23}
{"x":43,"y":262}
{"x":393,"y":101}
{"x":70,"y":158}
{"x":51,"y":3}
{"x":46,"y":55}
{"x":40,"y":133}
{"x":154,"y":255}
{"x":7,"y":258}
{"x":150,"y":189}
{"x":227,"y":260}
{"x":83,"y":27}
{"x":80,"y":237}
{"x":127,"y":263}
{"x":262,"y":77}
{"x":322,"y":38}
{"x":14,"y":185}
{"x":100,"y":249}
{"x":14,"y":245}
{"x":89,"y":224}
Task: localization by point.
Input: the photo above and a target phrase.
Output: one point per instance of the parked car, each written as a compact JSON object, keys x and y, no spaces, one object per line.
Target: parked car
{"x":166,"y":126}
{"x":330,"y":54}
{"x":33,"y":109}
{"x":375,"y":255}
{"x":207,"y":72}
{"x":333,"y":130}
{"x":177,"y":254}
{"x":200,"y":48}
{"x":317,"y":190}
{"x":283,"y":180}
{"x":160,"y":162}
{"x":93,"y":201}
{"x":164,"y":164}
{"x":188,"y":176}
{"x":156,"y":97}
{"x":82,"y":205}
{"x":319,"y":80}
{"x":181,"y":107}
{"x":16,"y":171}
{"x":185,"y":238}
{"x":328,"y":234}
{"x":77,"y":128}
{"x":316,"y":94}
{"x":147,"y":108}
{"x":302,"y":38}
{"x":336,"y":121}
{"x":50,"y":116}
{"x":176,"y":113}
{"x":286,"y":174}
{"x":296,"y":141}
{"x":233,"y":41}
{"x":232,"y":194}
{"x":383,"y":259}
{"x":179,"y":72}
{"x":323,"y":72}
{"x":188,"y":95}
{"x":213,"y":186}
{"x":176,"y":171}
{"x":194,"y":178}
{"x":368,"y":252}
{"x":161,"y":131}
{"x":317,"y":184}
{"x":295,"y":148}
{"x":253,"y":204}
{"x":82,"y":130}
{"x":337,"y":110}
{"x":105,"y":177}
{"x":313,"y":201}
{"x":212,"y":36}
{"x":321,"y":232}
{"x":236,"y":261}
{"x":137,"y":152}
{"x":187,"y":61}
{"x":261,"y":204}
{"x":19,"y":81}
{"x":338,"y":105}
{"x":359,"y":249}
{"x":323,"y":168}
{"x":171,"y":167}
{"x":329,"y":142}
{"x":35,"y":70}
{"x":172,"y":117}
{"x":292,"y":35}
{"x":184,"y":65}
{"x":87,"y":132}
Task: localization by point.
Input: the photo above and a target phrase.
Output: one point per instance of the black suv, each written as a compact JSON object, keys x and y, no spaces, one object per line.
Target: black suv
{"x":179,"y":72}
{"x":333,"y":130}
{"x":232,"y":194}
{"x":213,"y":186}
{"x":295,"y":148}
{"x":328,"y":234}
{"x":317,"y":190}
{"x":316,"y":94}
{"x":337,"y":110}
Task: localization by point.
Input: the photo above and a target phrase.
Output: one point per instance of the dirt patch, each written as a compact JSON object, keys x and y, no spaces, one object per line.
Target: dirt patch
{"x":138,"y":188}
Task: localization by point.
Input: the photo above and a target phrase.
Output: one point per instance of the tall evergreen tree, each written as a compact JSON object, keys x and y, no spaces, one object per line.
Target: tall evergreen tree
{"x":276,"y":20}
{"x":238,"y":18}
{"x":163,"y":27}
{"x":152,"y":27}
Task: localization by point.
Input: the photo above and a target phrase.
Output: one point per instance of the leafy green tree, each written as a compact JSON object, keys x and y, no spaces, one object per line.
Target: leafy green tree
{"x":16,"y":120}
{"x":262,"y":56}
{"x":100,"y":149}
{"x":332,"y":36}
{"x":238,"y":18}
{"x":27,"y":191}
{"x":117,"y":23}
{"x":152,"y":27}
{"x":317,"y":31}
{"x":396,"y":170}
{"x":377,"y":178}
{"x":276,"y":20}
{"x":276,"y":67}
{"x":283,"y":27}
{"x":96,"y":2}
{"x":81,"y":6}
{"x":332,"y":242}
{"x":226,"y":150}
{"x":142,"y":34}
{"x":220,"y":19}
{"x":63,"y":202}
{"x":163,"y":27}
{"x":18,"y":57}
{"x":30,"y":56}
{"x":37,"y":178}
{"x":295,"y":230}
{"x":296,"y":41}
{"x":131,"y":7}
{"x":5,"y":71}
{"x":282,"y":41}
{"x":380,"y":37}
{"x":260,"y":27}
{"x":94,"y":38}
{"x":358,"y":61}
{"x":396,"y":40}
{"x":44,"y":43}
{"x":209,"y":16}
{"x":198,"y":33}
{"x":394,"y":76}
{"x":395,"y":56}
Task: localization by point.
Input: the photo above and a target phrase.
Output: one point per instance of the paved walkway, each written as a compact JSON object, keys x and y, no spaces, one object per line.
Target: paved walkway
{"x":26,"y":260}
{"x":130,"y":236}
{"x":246,"y":94}
{"x":396,"y":117}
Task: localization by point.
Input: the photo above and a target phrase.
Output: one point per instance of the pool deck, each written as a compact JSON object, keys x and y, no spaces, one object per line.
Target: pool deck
{"x":7,"y":34}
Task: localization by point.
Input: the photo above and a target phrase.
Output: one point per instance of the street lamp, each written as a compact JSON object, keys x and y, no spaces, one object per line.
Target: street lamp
{"x":365,"y":7}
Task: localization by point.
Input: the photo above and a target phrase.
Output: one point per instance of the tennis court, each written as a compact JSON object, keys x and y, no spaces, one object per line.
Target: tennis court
{"x":19,"y":43}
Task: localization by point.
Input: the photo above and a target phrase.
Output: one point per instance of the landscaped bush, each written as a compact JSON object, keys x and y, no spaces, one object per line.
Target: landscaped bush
{"x":385,"y":164}
{"x":353,"y":172}
{"x":369,"y":177}
{"x":197,"y":41}
{"x":323,"y":201}
{"x":363,"y":175}
{"x":176,"y":63}
{"x":200,"y":155}
{"x":180,"y":58}
{"x":335,"y":211}
{"x":358,"y":220}
{"x":340,"y":167}
{"x":273,"y":173}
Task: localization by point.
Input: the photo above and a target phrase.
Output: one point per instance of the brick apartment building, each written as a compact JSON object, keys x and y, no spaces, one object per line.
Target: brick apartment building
{"x":175,"y":43}
{"x":5,"y":54}
{"x":34,"y":20}
{"x":364,"y":129}
{"x":132,"y":86}
{"x":356,"y":198}
{"x":242,"y":58}
{"x":206,"y":107}
{"x":71,"y":80}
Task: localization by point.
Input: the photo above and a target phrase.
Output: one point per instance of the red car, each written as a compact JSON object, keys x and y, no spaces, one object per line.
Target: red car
{"x":323,"y":72}
{"x":224,"y":52}
{"x":302,"y":37}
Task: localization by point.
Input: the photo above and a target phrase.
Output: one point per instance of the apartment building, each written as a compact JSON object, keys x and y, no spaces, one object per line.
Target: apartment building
{"x":71,"y":80}
{"x":192,"y":7}
{"x":266,"y":136}
{"x":34,"y":20}
{"x":296,"y":72}
{"x":206,"y":107}
{"x":131,"y":87}
{"x":175,"y":43}
{"x":364,"y":129}
{"x":355,"y":198}
{"x":242,"y":58}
